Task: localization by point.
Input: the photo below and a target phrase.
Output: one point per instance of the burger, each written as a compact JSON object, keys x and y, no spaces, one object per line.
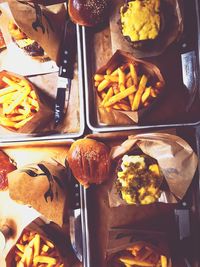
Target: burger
{"x":89,"y":161}
{"x":138,"y":179}
{"x":29,"y":46}
{"x":141,"y":22}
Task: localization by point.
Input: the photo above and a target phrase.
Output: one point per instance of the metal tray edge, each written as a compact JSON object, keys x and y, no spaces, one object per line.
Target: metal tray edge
{"x":59,"y":137}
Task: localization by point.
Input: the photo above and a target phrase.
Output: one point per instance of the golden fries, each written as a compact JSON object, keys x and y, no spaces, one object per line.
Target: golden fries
{"x":18,"y":102}
{"x":119,"y":81}
{"x":142,"y":255}
{"x":34,"y":250}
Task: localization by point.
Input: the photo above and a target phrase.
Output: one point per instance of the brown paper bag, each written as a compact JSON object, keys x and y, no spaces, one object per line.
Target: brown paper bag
{"x":42,"y":186}
{"x":48,"y":232}
{"x":120,"y":240}
{"x":40,"y":118}
{"x":41,"y":23}
{"x":172,"y":28}
{"x":175,"y":157}
{"x":117,"y":117}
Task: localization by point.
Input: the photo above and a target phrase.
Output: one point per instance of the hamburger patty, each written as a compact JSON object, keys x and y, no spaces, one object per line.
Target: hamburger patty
{"x":5,"y":168}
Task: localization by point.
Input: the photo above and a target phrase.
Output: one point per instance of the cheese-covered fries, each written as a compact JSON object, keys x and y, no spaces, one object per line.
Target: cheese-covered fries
{"x":126,"y":88}
{"x":18,"y":102}
{"x":142,"y":255}
{"x":34,"y":250}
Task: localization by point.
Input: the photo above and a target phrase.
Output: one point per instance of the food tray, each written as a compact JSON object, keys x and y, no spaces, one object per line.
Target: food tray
{"x":98,"y":217}
{"x":14,"y":215}
{"x":97,"y":50}
{"x":10,"y":137}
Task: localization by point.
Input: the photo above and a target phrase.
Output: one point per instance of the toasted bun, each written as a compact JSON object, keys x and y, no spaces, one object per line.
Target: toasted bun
{"x":88,"y":12}
{"x":89,"y":161}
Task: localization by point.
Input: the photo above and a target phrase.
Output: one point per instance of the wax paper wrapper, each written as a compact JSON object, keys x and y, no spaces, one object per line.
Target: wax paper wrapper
{"x":49,"y":232}
{"x":151,"y":246}
{"x":119,"y":117}
{"x":171,"y":29}
{"x":25,"y":14}
{"x":42,"y":186}
{"x":39,"y":119}
{"x":176,"y":159}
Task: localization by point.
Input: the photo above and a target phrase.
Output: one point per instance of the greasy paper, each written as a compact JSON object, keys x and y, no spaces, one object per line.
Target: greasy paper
{"x":42,"y":186}
{"x":175,"y":157}
{"x":121,"y":239}
{"x":172,"y":24}
{"x":13,"y":58}
{"x":40,"y":118}
{"x":48,"y":232}
{"x":117,"y":117}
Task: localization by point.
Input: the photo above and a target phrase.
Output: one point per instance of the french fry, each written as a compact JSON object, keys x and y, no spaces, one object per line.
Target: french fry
{"x":146,"y":94}
{"x":22,"y":123}
{"x":44,"y":259}
{"x":20,"y":247}
{"x":96,"y":84}
{"x":37,"y":245}
{"x":138,"y":95}
{"x":12,"y":83}
{"x":153,"y":93}
{"x":163,"y":261}
{"x":103,"y":85}
{"x":116,"y":98}
{"x":107,"y":97}
{"x":33,"y":94}
{"x":121,"y":75}
{"x":98,"y":77}
{"x":131,"y":261}
{"x":20,"y":264}
{"x":33,"y":102}
{"x":7,"y":90}
{"x":49,"y":243}
{"x":6,"y":122}
{"x":111,"y":78}
{"x":133,"y":74}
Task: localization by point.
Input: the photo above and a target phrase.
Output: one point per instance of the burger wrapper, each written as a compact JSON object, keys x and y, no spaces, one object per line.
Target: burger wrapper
{"x":29,"y":15}
{"x":176,"y":159}
{"x":42,"y":186}
{"x":121,"y":239}
{"x":117,"y":117}
{"x":172,"y":20}
{"x":49,"y":232}
{"x":40,"y":118}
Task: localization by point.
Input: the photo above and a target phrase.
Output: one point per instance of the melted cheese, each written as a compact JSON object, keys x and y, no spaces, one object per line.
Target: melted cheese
{"x":141,"y":21}
{"x":24,"y":42}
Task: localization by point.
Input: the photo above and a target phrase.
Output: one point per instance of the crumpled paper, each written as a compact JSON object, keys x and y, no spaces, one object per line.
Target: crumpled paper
{"x":177,"y":160}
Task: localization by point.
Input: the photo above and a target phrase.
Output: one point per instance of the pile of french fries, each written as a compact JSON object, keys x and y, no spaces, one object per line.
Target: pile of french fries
{"x":18,"y":102}
{"x":32,"y":250}
{"x":125,"y":88}
{"x":144,"y":256}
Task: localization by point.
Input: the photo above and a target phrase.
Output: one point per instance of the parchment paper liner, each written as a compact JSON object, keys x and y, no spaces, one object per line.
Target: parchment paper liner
{"x":47,"y":231}
{"x":121,"y":239}
{"x":175,"y":157}
{"x":40,"y":118}
{"x":117,"y":117}
{"x":31,"y":185}
{"x":173,"y":28}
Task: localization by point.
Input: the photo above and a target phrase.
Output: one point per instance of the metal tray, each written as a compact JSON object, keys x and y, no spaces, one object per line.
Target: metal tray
{"x":170,"y":64}
{"x":98,"y":217}
{"x":14,"y":138}
{"x":26,"y":153}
